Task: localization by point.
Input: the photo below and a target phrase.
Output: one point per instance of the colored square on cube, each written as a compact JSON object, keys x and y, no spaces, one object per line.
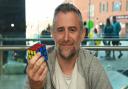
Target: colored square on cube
{"x":37,"y":48}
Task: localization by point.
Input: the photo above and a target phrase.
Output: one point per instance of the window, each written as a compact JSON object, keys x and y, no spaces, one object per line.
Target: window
{"x":116,"y":5}
{"x":91,"y":11}
{"x":104,"y":7}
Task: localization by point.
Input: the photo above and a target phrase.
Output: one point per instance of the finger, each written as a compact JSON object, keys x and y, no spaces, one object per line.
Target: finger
{"x":39,"y":72}
{"x":29,"y":73}
{"x":38,"y":64}
{"x":32,"y":61}
{"x":44,"y":73}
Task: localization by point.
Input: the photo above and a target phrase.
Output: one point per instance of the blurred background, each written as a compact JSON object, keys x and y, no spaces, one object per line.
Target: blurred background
{"x":26,"y":22}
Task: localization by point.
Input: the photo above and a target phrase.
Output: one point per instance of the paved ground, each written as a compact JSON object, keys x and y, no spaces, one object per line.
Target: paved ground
{"x":12,"y":81}
{"x":117,"y":79}
{"x":118,"y":64}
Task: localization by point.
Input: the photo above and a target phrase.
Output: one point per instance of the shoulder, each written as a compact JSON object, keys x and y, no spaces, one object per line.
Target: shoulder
{"x":117,"y":23}
{"x":86,"y":52}
{"x":88,"y":57}
{"x":88,"y":60}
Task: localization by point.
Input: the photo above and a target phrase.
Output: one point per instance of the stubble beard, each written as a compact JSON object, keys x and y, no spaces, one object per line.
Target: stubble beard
{"x":67,"y":53}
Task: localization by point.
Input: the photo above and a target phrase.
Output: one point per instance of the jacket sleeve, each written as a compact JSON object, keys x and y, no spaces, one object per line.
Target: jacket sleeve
{"x":97,"y":76}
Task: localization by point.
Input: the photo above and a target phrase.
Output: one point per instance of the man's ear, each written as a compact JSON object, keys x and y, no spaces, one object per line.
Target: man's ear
{"x":83,"y":35}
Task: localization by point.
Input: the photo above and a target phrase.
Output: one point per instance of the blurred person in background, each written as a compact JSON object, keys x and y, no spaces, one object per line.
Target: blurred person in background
{"x":108,"y":33}
{"x":117,"y":29}
{"x":86,"y":31}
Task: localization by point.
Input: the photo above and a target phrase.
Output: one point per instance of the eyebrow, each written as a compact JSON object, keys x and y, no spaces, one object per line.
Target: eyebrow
{"x":68,"y":27}
{"x":60,"y":27}
{"x":73,"y":27}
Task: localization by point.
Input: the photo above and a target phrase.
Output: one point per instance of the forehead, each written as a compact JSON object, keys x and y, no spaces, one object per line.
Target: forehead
{"x":67,"y":18}
{"x":66,"y":13}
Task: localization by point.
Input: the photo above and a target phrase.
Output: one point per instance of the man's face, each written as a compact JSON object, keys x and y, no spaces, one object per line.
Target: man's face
{"x":67,"y":34}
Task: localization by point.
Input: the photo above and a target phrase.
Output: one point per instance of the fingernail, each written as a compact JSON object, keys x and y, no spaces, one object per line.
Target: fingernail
{"x":42,"y":59}
{"x":38,"y":53}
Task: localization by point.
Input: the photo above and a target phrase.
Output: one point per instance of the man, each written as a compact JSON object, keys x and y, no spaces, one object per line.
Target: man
{"x":69,"y":66}
{"x":86,"y":31}
{"x":117,"y":29}
{"x":108,"y":33}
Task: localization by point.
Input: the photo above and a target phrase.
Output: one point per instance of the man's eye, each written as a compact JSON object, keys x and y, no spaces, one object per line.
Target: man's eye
{"x":72,"y":30}
{"x":60,"y":30}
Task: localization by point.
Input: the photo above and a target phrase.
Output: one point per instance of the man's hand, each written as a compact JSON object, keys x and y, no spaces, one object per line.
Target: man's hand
{"x":37,"y":71}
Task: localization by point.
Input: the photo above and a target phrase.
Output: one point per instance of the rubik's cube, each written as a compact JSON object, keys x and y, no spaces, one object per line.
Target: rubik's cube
{"x":37,"y":48}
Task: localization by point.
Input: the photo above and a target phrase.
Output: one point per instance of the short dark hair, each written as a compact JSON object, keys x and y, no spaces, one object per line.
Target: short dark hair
{"x":114,"y":17}
{"x":68,"y":7}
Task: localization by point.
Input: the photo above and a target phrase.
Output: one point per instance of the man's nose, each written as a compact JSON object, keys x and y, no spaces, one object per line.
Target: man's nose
{"x":66,"y":36}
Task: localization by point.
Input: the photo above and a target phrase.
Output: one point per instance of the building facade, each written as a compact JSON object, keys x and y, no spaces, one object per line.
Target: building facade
{"x":99,"y":10}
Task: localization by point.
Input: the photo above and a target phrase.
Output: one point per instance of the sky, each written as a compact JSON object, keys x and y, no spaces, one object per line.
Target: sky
{"x":39,"y":14}
{"x":41,"y":9}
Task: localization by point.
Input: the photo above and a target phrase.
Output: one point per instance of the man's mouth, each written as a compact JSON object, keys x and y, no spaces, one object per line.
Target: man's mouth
{"x":67,"y":45}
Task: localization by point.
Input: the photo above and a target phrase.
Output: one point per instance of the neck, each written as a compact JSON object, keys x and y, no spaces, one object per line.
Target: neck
{"x":67,"y":66}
